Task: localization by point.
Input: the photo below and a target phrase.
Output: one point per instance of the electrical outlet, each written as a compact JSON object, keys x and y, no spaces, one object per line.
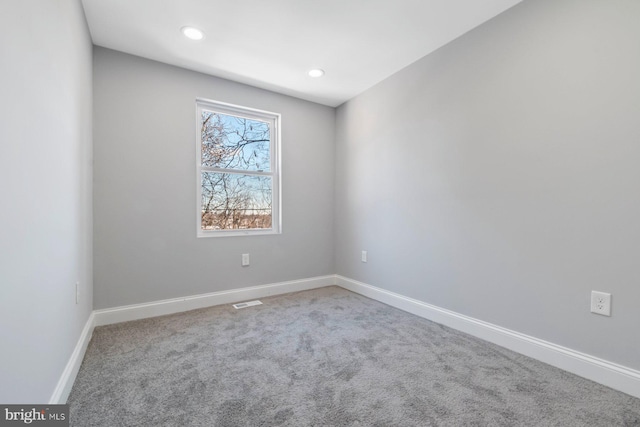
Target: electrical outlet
{"x":364,"y":256}
{"x":77,"y":292}
{"x":601,"y":303}
{"x":245,"y":260}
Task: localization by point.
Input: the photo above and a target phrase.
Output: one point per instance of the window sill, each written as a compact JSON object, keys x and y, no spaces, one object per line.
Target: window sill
{"x":235,"y":233}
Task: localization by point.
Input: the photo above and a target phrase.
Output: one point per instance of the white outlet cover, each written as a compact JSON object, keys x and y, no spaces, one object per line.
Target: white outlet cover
{"x":364,"y":256}
{"x":601,"y":303}
{"x":245,"y":260}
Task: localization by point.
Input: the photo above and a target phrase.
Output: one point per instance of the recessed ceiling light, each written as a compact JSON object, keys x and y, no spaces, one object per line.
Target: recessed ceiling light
{"x":192,"y":33}
{"x":316,"y":72}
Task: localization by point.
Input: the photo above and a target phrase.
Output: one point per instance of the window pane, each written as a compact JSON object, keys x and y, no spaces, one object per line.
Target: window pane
{"x":231,"y":142}
{"x":235,"y":201}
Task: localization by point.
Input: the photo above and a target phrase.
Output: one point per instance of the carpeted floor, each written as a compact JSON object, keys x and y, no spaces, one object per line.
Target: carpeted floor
{"x":325,"y":357}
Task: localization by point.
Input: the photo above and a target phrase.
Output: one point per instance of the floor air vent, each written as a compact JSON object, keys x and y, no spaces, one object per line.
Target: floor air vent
{"x":246,"y":304}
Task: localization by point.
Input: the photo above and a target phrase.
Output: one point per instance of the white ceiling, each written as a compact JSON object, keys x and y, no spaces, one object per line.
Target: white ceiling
{"x":273,"y":43}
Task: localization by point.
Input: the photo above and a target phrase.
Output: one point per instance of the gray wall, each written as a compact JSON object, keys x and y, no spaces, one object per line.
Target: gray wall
{"x":499,"y":177}
{"x":145,"y":187}
{"x":45,"y":176}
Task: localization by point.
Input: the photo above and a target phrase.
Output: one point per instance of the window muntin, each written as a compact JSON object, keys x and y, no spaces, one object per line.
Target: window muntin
{"x":238,"y":170}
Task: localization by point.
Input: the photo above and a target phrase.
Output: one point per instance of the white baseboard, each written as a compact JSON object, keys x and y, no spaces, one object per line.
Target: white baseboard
{"x":159,"y":308}
{"x":176,"y":305}
{"x":604,"y":372}
{"x":63,"y":388}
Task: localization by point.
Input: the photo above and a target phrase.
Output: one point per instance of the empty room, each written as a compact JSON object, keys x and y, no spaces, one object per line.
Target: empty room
{"x":338,"y":213}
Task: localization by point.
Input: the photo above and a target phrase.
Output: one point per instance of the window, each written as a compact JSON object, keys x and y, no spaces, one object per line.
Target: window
{"x":238,"y":170}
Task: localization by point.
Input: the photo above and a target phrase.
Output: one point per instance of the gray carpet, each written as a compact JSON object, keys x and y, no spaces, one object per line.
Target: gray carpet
{"x":326,"y":357}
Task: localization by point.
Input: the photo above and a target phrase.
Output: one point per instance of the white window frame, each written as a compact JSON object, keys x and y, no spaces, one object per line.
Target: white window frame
{"x":274,"y":120}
